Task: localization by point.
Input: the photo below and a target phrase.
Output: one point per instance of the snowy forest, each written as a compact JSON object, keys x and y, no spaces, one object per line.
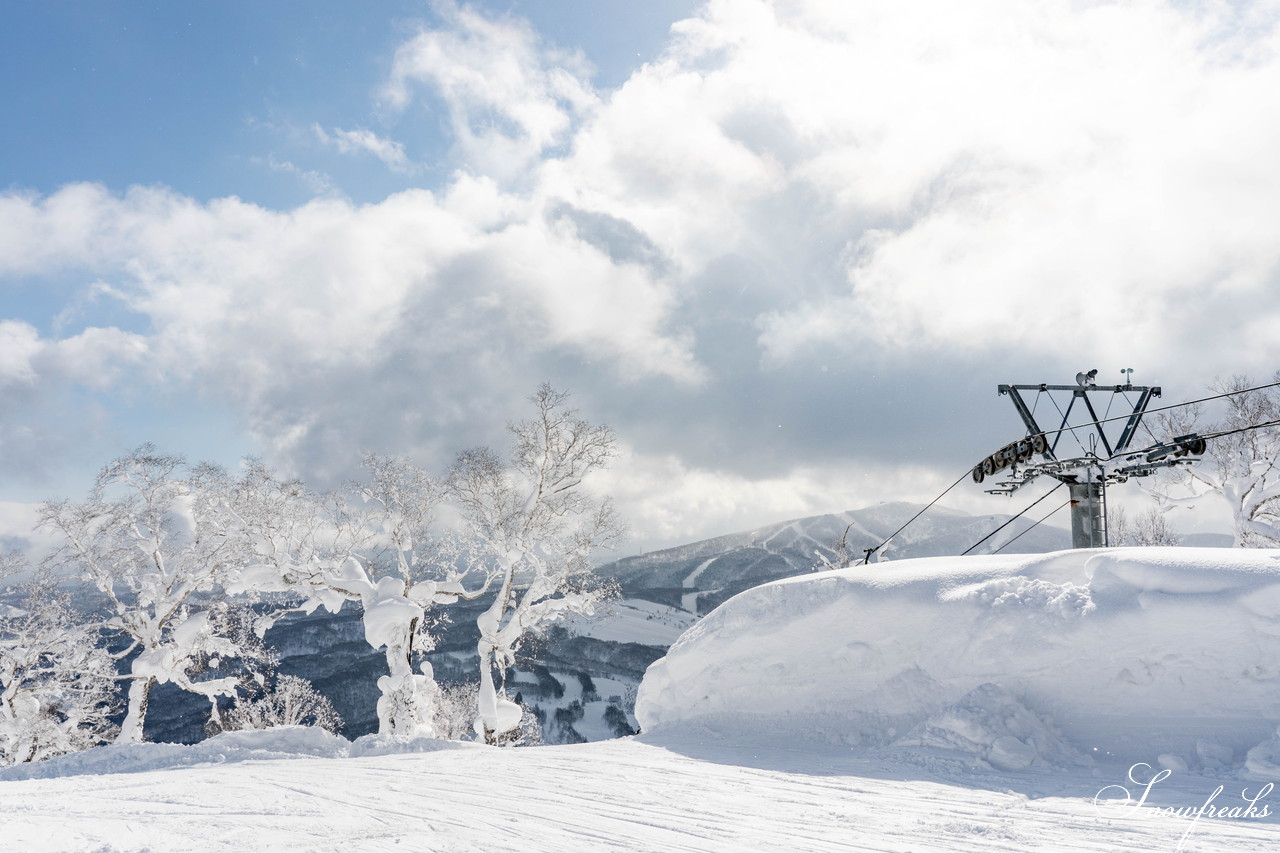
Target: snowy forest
{"x":195,"y":564}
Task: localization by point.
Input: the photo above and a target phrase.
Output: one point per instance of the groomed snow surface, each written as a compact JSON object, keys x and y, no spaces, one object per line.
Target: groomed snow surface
{"x":987,"y":703}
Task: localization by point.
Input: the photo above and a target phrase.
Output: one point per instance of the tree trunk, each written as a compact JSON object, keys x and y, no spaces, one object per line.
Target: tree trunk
{"x":139,"y":696}
{"x":407,"y":705}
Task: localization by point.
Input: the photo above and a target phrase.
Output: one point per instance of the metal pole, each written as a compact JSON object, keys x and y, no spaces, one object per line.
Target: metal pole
{"x":1088,"y":523}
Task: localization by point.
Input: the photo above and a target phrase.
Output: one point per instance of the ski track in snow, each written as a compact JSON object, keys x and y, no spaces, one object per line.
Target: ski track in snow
{"x":627,"y":795}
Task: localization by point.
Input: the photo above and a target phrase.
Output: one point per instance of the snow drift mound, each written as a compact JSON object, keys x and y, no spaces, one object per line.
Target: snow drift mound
{"x":988,"y":727}
{"x":1018,"y":660}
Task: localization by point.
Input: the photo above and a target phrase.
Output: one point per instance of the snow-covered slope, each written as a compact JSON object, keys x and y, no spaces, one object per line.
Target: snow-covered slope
{"x":930,"y":705}
{"x":1009,"y":661}
{"x":282,"y":790}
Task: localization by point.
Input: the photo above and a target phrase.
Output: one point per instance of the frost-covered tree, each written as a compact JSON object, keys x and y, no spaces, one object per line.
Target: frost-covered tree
{"x":527,"y":732}
{"x":1243,"y":466}
{"x":414,"y":570}
{"x":264,"y":698}
{"x":375,"y":546}
{"x":456,"y":710}
{"x":57,"y":685}
{"x":1149,"y":529}
{"x":253,"y":664}
{"x":840,"y":558}
{"x":152,"y":541}
{"x":284,"y":700}
{"x":1118,"y":531}
{"x":540,"y":527}
{"x":285,"y":533}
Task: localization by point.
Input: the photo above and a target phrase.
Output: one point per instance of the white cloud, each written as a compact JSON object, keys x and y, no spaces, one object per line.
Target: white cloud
{"x":18,"y":530}
{"x":509,"y":96}
{"x":19,"y":342}
{"x":360,"y":140}
{"x":668,"y":501}
{"x":93,"y":358}
{"x":46,"y":416}
{"x":571,"y":293}
{"x":314,"y":180}
{"x":301,"y":319}
{"x":1015,"y":175}
{"x":46,"y":235}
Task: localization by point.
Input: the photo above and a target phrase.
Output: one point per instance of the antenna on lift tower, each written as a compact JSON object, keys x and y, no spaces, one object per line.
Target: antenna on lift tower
{"x":1086,"y":475}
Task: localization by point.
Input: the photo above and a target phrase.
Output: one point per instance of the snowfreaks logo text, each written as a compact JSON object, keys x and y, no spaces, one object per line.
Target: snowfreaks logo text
{"x":1119,"y":801}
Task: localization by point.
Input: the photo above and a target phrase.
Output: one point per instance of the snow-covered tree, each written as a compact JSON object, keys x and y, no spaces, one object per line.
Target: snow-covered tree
{"x":1243,"y":467}
{"x":285,"y":532}
{"x":456,"y":710}
{"x":1118,"y":530}
{"x":1149,"y":529}
{"x":57,"y":686}
{"x":540,"y":527}
{"x":151,"y":541}
{"x":415,"y":570}
{"x":840,"y":558}
{"x":285,"y":700}
{"x":375,"y":547}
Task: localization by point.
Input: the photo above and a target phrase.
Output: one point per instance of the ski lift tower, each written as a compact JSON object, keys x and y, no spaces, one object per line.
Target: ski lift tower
{"x":1101,"y":459}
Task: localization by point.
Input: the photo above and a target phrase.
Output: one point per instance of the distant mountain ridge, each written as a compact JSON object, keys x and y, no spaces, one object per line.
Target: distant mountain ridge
{"x":699,"y":576}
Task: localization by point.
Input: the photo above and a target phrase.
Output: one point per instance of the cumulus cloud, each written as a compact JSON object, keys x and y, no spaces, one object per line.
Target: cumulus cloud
{"x":304,"y":319}
{"x":46,"y":385}
{"x":19,"y":343}
{"x":508,"y":95}
{"x":95,"y":358}
{"x":1006,"y":172}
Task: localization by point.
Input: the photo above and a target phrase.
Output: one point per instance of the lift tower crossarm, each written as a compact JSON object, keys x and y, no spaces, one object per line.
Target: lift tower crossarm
{"x":1154,"y":389}
{"x":1146,"y":392}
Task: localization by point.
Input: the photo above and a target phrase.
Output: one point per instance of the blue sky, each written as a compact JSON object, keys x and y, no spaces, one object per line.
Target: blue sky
{"x":787,"y":249}
{"x":200,"y":96}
